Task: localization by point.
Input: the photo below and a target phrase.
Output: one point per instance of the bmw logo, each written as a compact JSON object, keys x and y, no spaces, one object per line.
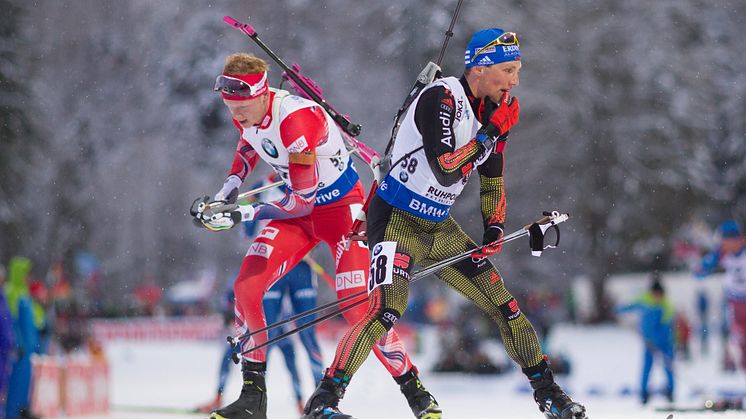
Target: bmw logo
{"x":269,"y":148}
{"x":377,"y":250}
{"x":403,"y":176}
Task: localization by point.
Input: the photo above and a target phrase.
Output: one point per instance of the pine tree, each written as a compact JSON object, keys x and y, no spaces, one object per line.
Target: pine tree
{"x":18,"y":137}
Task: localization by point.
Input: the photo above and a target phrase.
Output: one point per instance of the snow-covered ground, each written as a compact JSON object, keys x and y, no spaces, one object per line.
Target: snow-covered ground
{"x":606,"y":363}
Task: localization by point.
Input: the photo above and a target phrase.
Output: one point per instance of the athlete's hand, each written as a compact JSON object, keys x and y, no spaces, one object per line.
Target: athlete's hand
{"x":229,"y":191}
{"x":219,"y":215}
{"x":497,"y":119}
{"x":492,"y":234}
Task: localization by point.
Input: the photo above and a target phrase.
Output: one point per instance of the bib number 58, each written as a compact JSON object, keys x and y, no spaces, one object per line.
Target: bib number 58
{"x":381,"y":265}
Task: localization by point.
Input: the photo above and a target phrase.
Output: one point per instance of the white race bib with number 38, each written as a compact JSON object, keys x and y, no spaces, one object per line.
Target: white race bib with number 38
{"x":381,"y":265}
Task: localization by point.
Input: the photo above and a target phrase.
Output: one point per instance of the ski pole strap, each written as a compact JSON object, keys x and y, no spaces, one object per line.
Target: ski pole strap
{"x":344,"y":123}
{"x":537,"y":231}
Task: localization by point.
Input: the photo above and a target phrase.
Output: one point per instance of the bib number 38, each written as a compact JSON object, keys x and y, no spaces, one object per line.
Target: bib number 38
{"x":381,"y":265}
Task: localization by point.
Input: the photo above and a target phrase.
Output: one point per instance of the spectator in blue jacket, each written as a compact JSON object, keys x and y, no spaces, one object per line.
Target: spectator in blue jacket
{"x":7,"y":343}
{"x":656,"y":328}
{"x":26,"y":338}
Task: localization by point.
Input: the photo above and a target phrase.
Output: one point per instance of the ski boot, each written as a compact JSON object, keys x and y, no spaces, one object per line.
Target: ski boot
{"x":323,"y":402}
{"x":252,"y":403}
{"x":422,"y":403}
{"x":552,"y":401}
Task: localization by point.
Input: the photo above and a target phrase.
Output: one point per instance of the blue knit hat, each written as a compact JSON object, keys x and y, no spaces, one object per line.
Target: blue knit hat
{"x":730,"y":229}
{"x":491,"y":46}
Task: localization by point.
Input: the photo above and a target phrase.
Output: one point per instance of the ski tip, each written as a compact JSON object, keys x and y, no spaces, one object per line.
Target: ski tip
{"x":670,"y":416}
{"x":229,"y":20}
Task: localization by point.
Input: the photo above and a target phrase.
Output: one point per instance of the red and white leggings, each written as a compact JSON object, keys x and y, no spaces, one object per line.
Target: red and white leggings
{"x":282,"y":244}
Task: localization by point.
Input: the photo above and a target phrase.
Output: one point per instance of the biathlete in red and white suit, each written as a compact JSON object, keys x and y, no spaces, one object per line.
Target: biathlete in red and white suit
{"x":304,"y":146}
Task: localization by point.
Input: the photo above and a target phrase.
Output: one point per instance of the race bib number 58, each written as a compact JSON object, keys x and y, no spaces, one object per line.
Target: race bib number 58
{"x":381,"y":265}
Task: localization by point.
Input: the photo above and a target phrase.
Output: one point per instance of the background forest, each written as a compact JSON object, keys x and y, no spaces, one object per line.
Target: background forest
{"x":633,"y":120}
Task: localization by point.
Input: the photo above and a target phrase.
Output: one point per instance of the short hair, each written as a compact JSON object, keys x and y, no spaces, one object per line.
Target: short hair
{"x":242,"y":63}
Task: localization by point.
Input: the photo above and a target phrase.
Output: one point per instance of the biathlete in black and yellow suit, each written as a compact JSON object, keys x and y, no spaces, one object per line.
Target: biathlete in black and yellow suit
{"x":452,"y":129}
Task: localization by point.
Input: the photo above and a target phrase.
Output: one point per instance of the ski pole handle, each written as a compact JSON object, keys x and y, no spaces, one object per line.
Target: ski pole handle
{"x":537,"y":231}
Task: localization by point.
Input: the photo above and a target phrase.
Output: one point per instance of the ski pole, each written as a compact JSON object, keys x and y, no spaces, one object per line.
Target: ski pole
{"x":301,"y":328}
{"x":259,"y":190}
{"x":417,"y":275}
{"x":449,"y":33}
{"x":255,"y":191}
{"x":318,"y":268}
{"x":537,"y":228}
{"x":341,"y":120}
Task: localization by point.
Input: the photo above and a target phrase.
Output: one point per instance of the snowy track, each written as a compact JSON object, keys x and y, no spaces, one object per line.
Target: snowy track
{"x":171,"y":375}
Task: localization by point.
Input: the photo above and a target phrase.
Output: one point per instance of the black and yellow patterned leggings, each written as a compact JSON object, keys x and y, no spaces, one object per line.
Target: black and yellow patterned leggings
{"x":422,"y":242}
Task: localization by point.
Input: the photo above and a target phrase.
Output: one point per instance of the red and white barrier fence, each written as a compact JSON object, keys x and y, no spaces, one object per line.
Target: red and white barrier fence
{"x":46,"y":398}
{"x":75,"y":385}
{"x":153,"y":328}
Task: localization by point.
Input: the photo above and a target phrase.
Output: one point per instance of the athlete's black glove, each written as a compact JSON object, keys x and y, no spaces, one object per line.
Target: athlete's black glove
{"x":491,"y":234}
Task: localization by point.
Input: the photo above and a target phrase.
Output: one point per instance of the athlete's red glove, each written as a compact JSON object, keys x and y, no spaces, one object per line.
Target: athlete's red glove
{"x":492,"y":234}
{"x":497,"y":119}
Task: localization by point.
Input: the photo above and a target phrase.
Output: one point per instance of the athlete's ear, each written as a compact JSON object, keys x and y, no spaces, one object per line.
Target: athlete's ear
{"x":478,"y":70}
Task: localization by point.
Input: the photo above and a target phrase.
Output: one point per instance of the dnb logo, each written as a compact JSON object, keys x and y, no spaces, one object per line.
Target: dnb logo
{"x":269,"y":148}
{"x":260,"y":249}
{"x":347,"y":280}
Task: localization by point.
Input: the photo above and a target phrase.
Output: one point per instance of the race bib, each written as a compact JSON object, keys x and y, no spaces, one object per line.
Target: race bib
{"x":381,"y":265}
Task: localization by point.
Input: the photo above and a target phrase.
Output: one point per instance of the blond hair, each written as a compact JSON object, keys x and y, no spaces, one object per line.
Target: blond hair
{"x":241,"y":64}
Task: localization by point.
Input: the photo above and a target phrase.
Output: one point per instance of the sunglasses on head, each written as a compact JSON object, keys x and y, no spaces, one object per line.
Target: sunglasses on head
{"x":507,"y":38}
{"x":238,"y":87}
